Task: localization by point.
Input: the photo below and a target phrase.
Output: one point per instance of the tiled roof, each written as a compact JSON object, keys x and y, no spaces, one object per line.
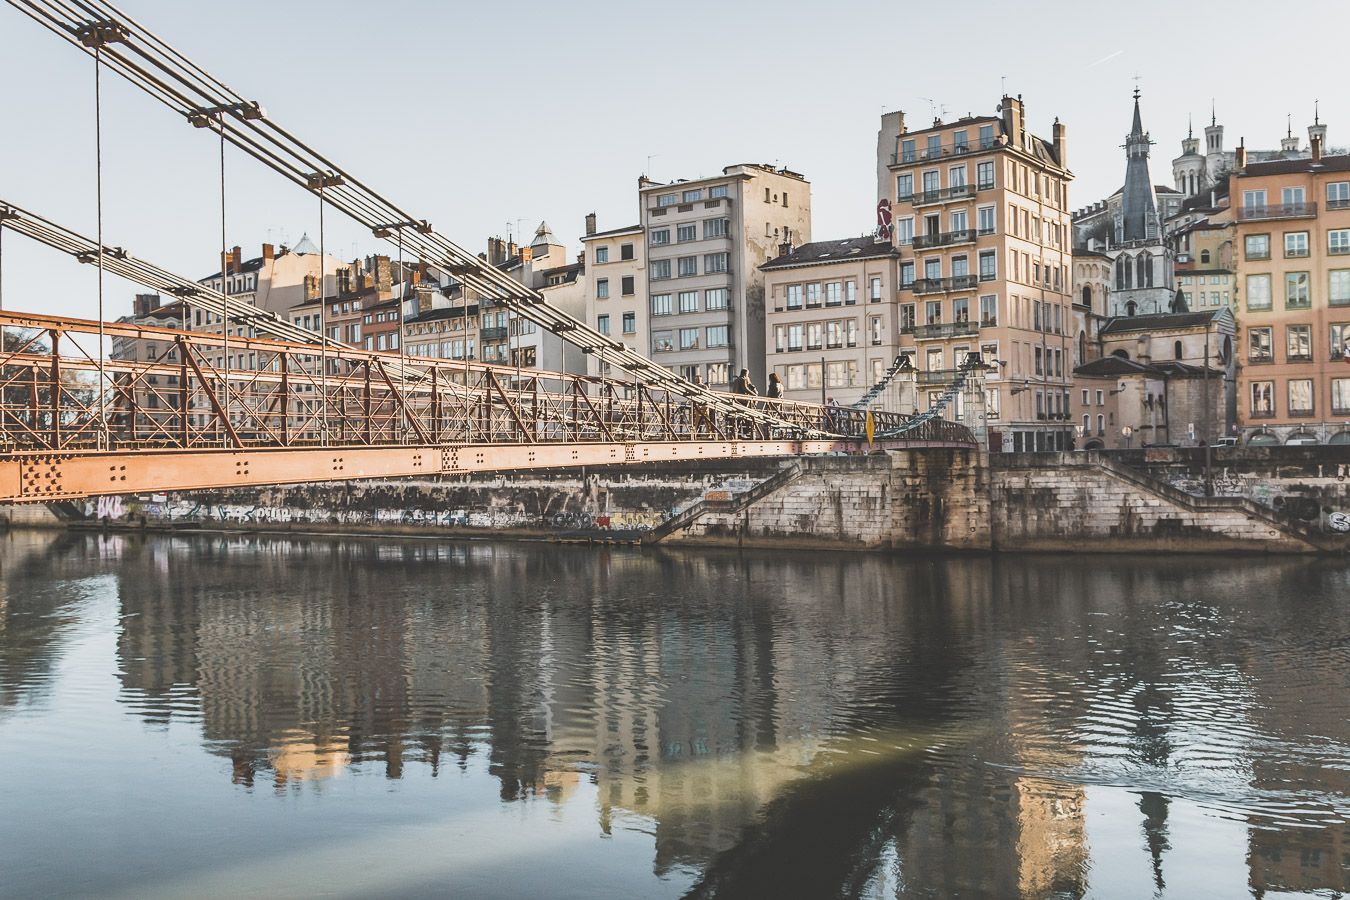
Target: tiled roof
{"x":1115,"y":366}
{"x":1290,"y":166}
{"x":1158,"y":321}
{"x":819,"y":253}
{"x":613,"y":231}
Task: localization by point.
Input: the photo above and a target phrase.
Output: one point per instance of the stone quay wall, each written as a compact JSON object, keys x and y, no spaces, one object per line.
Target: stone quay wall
{"x":905,"y":500}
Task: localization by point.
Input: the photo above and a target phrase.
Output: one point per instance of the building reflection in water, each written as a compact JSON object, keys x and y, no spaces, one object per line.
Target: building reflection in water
{"x":782,"y":726}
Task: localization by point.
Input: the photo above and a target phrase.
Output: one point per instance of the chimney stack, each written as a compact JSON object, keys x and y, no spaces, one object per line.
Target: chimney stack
{"x":1061,"y":150}
{"x":1013,"y":124}
{"x":384,"y":279}
{"x":145,"y":304}
{"x":268,"y":253}
{"x":590,"y":224}
{"x":1316,"y":148}
{"x":1240,"y":155}
{"x":236,"y":258}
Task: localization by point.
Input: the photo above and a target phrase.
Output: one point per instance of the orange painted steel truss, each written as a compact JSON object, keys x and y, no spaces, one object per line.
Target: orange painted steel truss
{"x":173,"y":416}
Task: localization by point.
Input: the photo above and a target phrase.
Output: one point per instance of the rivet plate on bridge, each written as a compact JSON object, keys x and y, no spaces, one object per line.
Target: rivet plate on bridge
{"x":42,"y":476}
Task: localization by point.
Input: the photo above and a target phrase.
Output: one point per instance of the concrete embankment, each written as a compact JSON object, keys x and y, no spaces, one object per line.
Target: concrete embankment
{"x":910,"y":500}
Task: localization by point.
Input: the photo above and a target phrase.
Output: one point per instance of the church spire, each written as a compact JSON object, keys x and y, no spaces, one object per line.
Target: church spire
{"x":1139,"y":215}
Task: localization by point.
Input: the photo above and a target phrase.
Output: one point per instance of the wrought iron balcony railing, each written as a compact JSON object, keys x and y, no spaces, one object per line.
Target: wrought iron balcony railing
{"x":945,"y":330}
{"x":945,"y":195}
{"x":944,"y":239}
{"x":1277,"y":211}
{"x":943,"y":285}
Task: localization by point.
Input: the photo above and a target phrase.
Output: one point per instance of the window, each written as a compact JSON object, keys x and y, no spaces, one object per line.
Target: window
{"x":692,"y":196}
{"x":1258,"y":345}
{"x":850,"y":293}
{"x":794,"y":296}
{"x":1300,"y":397}
{"x":984,"y":217}
{"x":1292,"y":196}
{"x":660,"y":236}
{"x":907,"y":274}
{"x":626,"y":285}
{"x":625,"y":251}
{"x":988,"y":265}
{"x":663,"y":341}
{"x":931,"y":184}
{"x":602,"y":254}
{"x":874,"y":330}
{"x":1258,"y":246}
{"x":661,"y":305}
{"x":961,"y":310}
{"x":689,"y":338}
{"x":687,"y":265}
{"x":715,"y":262}
{"x":934,"y":146}
{"x":1296,"y":290}
{"x":813,"y":295}
{"x":904,"y":231}
{"x":874,"y":290}
{"x":986,"y":136}
{"x":602,"y":289}
{"x":907,"y":318}
{"x":1263,"y":398}
{"x":956,"y":177}
{"x":988,"y":311}
{"x":834,"y":334}
{"x":716,"y":228}
{"x":602,"y":324}
{"x":687,"y":232}
{"x":688,"y":301}
{"x":719,"y":373}
{"x":1338,"y":293}
{"x":1258,"y":292}
{"x":794,"y":337}
{"x":1338,"y":242}
{"x":660,"y":269}
{"x":717,"y":298}
{"x":1295,"y":243}
{"x":907,"y":153}
{"x":814,"y":335}
{"x":1340,"y":396}
{"x":630,"y":323}
{"x":1298,"y":343}
{"x":832,"y":294}
{"x":904,"y":186}
{"x":717,"y":190}
{"x":1253,"y":199}
{"x":666,"y":199}
{"x":984,"y":176}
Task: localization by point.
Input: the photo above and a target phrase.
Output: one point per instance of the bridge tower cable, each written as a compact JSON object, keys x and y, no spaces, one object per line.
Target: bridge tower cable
{"x":153,"y":65}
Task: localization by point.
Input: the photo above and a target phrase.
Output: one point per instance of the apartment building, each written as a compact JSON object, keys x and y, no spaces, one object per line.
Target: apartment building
{"x":981,"y":217}
{"x":615,"y":287}
{"x":1293,"y":265}
{"x":832,"y":326}
{"x":706,"y":240}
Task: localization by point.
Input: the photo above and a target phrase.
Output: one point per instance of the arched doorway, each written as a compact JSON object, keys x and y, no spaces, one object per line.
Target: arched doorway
{"x":1301,"y":438}
{"x":1340,"y":437}
{"x":1263,"y":439}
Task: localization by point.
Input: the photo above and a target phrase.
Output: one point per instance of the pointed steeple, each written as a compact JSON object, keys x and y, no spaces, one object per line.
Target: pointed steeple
{"x":1213,"y":116}
{"x":1139,"y":217}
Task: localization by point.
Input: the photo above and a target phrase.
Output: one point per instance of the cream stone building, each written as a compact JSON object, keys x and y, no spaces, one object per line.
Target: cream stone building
{"x":980,"y":214}
{"x":832,"y":321}
{"x":706,"y":240}
{"x":615,"y":287}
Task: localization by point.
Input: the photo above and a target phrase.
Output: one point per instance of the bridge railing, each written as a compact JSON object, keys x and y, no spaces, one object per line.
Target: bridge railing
{"x":167,"y":388}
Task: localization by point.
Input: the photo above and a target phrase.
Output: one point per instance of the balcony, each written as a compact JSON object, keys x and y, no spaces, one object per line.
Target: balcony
{"x":937,"y":376}
{"x":1262,"y":414}
{"x":941,"y":152}
{"x":1277,"y":211}
{"x":942,"y":331}
{"x":944,"y":239}
{"x":1339,"y":203}
{"x":946,"y":195}
{"x":492,"y":334}
{"x":907,"y":328}
{"x":943,"y":285}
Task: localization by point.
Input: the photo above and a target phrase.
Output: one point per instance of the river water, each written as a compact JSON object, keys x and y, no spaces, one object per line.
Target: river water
{"x":225,"y":716}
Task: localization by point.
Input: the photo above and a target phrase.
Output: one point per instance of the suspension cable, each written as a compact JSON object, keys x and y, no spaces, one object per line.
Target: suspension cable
{"x":323,"y":327}
{"x":103,"y":435}
{"x":224,"y":281}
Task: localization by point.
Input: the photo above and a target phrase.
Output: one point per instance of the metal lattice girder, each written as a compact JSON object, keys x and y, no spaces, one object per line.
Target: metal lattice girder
{"x":147,"y":61}
{"x":171,"y":398}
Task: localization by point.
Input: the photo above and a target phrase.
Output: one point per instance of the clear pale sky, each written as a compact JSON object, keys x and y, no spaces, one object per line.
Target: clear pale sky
{"x":551,"y":110}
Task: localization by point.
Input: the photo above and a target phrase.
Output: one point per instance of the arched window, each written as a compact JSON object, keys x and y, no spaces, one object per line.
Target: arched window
{"x":1204,"y":256}
{"x":1131,"y":307}
{"x":1144,"y":267}
{"x":1176,"y":349}
{"x":1082,"y":348}
{"x":1123,"y":354}
{"x":1087,"y":295}
{"x":1122,"y":265}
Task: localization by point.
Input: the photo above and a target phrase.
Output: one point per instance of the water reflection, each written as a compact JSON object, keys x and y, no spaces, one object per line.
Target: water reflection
{"x":772,"y":726}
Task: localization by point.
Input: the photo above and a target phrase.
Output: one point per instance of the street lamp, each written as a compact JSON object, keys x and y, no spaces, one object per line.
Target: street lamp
{"x":1127,"y":432}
